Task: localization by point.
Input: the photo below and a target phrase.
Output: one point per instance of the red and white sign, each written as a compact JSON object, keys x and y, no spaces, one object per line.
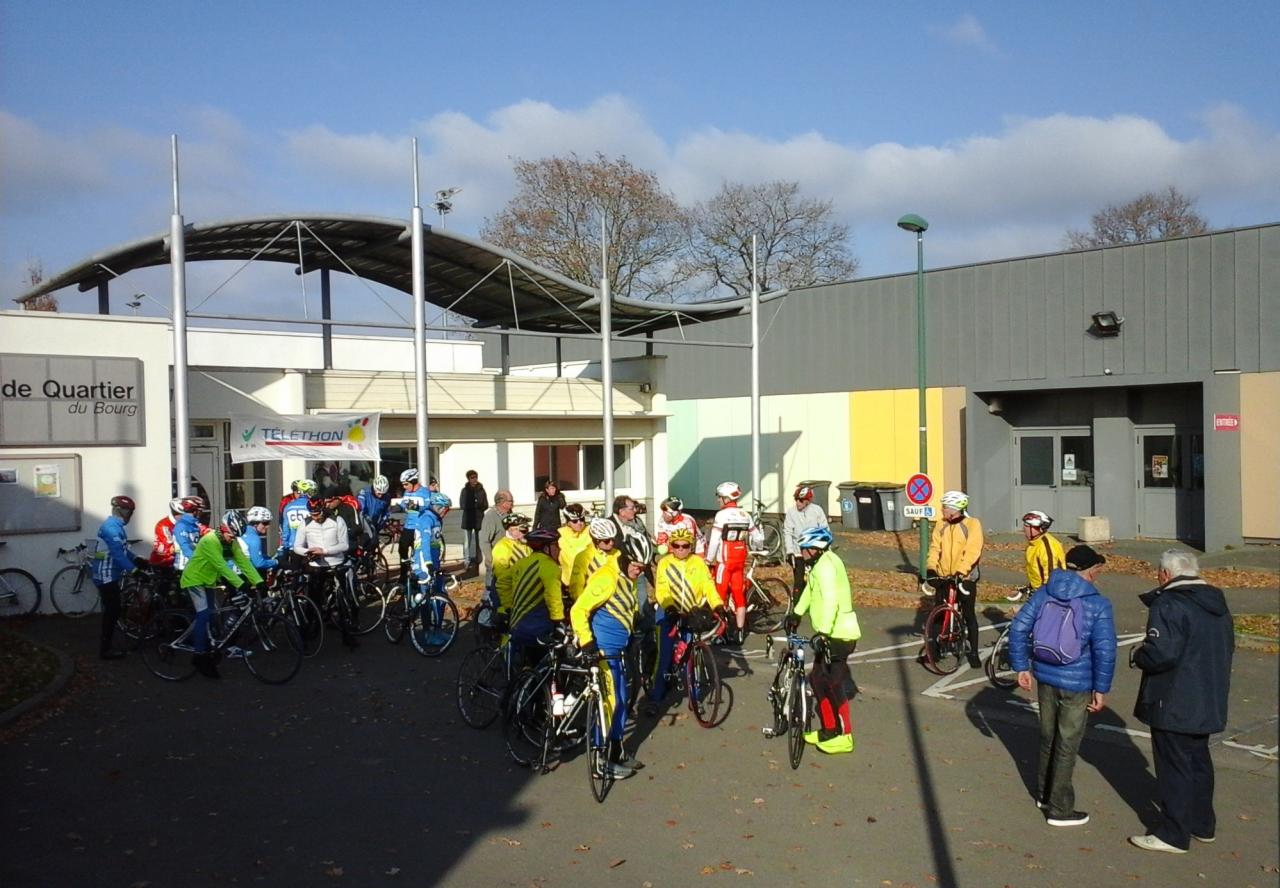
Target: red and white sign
{"x":1226,"y":422}
{"x":919,"y":489}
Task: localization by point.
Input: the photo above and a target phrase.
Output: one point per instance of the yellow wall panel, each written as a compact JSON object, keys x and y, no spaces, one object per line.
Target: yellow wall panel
{"x":884,"y":437}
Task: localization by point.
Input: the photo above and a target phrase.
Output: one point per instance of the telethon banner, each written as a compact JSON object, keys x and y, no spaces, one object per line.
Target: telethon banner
{"x":333,"y":436}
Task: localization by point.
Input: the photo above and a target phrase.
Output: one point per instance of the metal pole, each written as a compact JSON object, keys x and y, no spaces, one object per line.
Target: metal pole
{"x":920,"y":382}
{"x":606,"y":362}
{"x":326,"y":313}
{"x":419,"y":321}
{"x":178,"y":267}
{"x":756,"y":492}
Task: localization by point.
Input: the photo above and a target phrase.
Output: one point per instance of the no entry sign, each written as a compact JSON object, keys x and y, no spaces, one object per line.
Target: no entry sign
{"x":919,"y":489}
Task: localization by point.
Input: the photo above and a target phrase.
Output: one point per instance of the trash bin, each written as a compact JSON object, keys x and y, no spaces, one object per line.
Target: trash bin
{"x":848,"y":504}
{"x":821,"y":495}
{"x":892,"y":498}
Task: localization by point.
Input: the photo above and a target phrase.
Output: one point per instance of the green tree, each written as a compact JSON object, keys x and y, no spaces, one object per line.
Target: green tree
{"x":1149,"y":216}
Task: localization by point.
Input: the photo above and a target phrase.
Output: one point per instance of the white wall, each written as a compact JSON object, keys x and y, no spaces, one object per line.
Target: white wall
{"x":305,"y":351}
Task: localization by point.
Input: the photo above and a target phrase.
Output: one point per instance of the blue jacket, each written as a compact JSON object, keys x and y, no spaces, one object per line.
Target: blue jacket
{"x":428,"y":549}
{"x":257,"y":549}
{"x":114,"y":559}
{"x":373,"y":507}
{"x":186,"y":533}
{"x":1093,"y":670}
{"x":415,"y":506}
{"x":293,"y":516}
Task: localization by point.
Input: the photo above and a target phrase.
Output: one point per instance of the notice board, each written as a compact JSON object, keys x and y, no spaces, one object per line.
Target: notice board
{"x":39,"y":494}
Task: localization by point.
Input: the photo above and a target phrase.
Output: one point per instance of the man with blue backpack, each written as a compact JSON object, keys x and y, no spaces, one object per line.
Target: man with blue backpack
{"x":1065,"y":637}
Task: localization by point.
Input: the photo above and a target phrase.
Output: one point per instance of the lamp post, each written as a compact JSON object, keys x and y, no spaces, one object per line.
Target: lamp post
{"x":919,"y":226}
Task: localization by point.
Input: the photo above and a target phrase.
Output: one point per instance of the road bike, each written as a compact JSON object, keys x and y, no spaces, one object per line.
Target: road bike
{"x":693,"y":665}
{"x":946,"y":642}
{"x":768,"y":535}
{"x":768,"y":599}
{"x":19,"y":592}
{"x":430,"y":617}
{"x":287,"y":596}
{"x":790,"y":696}
{"x":72,"y":589}
{"x":244,"y":629}
{"x":483,"y":678}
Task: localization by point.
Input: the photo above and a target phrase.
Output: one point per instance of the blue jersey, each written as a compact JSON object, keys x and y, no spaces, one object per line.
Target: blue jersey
{"x":186,"y":533}
{"x":415,"y":506}
{"x":113,"y":558}
{"x":428,"y":548}
{"x":257,"y":549}
{"x":292,"y":517}
{"x":373,"y":507}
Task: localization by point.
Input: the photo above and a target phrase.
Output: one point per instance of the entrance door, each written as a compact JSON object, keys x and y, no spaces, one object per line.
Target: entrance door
{"x":1053,"y":472}
{"x":206,"y":469}
{"x":1170,"y":484}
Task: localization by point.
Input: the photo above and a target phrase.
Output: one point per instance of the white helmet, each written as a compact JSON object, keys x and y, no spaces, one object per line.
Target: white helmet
{"x":258,"y":515}
{"x":602,"y":529}
{"x":728,"y":490}
{"x":955,"y":499}
{"x":380,"y":484}
{"x":175,"y":505}
{"x":409,"y":476}
{"x":1036,"y":518}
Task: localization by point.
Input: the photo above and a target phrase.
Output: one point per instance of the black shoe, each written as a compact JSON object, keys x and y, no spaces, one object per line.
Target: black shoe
{"x":628,"y":761}
{"x":206,"y":666}
{"x":650,"y":708}
{"x":975,"y":662}
{"x":111,"y":654}
{"x":1075,"y":818}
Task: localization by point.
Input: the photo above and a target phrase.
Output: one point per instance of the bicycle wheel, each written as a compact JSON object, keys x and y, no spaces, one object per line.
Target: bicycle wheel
{"x":305,"y":616}
{"x":999,"y":669}
{"x":482,"y":681}
{"x":394,"y":623}
{"x":166,"y":645}
{"x":771,"y":545}
{"x":371,"y":607}
{"x":483,"y":632}
{"x":598,"y":748}
{"x":703,"y":683}
{"x":523,"y":726}
{"x":769,"y":598}
{"x":274,"y":649}
{"x":137,"y":603}
{"x":19,"y":593}
{"x":943,"y":640}
{"x":778,"y":698}
{"x":797,"y":704}
{"x":73,"y":592}
{"x":433,"y":626}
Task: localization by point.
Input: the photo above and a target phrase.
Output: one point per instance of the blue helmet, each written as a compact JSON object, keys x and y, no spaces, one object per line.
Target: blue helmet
{"x":815,"y":538}
{"x":439,"y":500}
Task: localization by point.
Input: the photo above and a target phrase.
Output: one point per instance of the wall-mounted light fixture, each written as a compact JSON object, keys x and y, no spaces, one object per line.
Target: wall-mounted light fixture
{"x":1106,"y":323}
{"x":645,"y":388}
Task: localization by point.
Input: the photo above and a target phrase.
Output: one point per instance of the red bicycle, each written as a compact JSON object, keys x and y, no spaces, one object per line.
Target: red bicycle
{"x":946,"y":643}
{"x":693,"y":666}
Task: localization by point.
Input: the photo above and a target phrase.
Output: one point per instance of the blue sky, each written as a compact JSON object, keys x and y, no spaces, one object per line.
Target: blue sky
{"x":1003,"y":124}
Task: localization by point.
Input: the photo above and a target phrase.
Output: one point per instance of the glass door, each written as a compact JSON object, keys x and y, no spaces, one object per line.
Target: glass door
{"x":1053,"y":472}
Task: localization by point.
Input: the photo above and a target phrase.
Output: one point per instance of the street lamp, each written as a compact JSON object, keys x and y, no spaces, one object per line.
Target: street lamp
{"x":919,"y":226}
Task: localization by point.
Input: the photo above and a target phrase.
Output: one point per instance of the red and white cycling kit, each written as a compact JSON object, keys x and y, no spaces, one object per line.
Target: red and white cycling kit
{"x":727,"y":550}
{"x":162,"y":547}
{"x":663,"y":528}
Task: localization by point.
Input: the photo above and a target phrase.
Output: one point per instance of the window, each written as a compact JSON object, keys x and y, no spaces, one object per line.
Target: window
{"x":398,"y":457}
{"x":1077,"y":461}
{"x":245,"y":484}
{"x":1036,"y":459}
{"x":580,"y":466}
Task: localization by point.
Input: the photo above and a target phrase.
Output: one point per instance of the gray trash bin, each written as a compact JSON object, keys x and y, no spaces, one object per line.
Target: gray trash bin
{"x":848,"y":505}
{"x":892,"y":498}
{"x":821,"y":494}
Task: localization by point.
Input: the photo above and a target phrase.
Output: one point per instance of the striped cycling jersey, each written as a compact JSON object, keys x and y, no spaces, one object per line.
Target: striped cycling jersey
{"x":506,"y":552}
{"x":589,"y":561}
{"x":685,"y":584}
{"x":536,"y":588}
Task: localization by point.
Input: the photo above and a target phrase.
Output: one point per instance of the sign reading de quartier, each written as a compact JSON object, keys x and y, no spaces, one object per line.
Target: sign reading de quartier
{"x":71,"y":400}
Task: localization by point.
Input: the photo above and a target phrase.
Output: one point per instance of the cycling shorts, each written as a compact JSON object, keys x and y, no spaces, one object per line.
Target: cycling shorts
{"x":731,"y":584}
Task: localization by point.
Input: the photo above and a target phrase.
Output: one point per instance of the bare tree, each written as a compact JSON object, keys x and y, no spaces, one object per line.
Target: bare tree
{"x":554,"y":219}
{"x":35,"y":277}
{"x":1149,"y":216}
{"x":799,"y":241}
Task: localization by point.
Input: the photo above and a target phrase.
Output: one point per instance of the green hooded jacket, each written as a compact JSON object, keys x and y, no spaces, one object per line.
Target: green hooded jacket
{"x":828,"y":599}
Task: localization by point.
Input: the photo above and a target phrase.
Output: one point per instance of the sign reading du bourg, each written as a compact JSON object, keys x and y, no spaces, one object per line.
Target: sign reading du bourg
{"x":71,"y":400}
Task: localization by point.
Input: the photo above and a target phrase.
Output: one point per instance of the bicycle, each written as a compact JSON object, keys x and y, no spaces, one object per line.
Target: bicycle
{"x":140,"y":597}
{"x":370,"y":563}
{"x":72,"y":590}
{"x":693,"y":665}
{"x":270,"y":645}
{"x":483,"y":678}
{"x":998,"y":666}
{"x":768,"y":599}
{"x":946,"y":642}
{"x":430,"y":617}
{"x":287,"y":596}
{"x":790,"y":696}
{"x":20,"y":592}
{"x":769,"y":543}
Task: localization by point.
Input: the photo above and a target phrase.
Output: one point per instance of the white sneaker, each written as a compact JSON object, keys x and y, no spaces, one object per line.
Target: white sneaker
{"x":1016,"y":596}
{"x":1155,"y":843}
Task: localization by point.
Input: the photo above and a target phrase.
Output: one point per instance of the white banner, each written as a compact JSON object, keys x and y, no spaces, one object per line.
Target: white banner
{"x":334,"y":436}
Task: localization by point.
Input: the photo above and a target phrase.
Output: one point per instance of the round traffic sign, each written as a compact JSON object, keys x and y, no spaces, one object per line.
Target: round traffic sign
{"x":919,"y":489}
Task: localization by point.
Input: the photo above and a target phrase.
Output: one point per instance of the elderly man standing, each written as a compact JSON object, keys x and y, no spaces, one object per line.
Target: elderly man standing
{"x":491,"y":530}
{"x":1185,"y":660}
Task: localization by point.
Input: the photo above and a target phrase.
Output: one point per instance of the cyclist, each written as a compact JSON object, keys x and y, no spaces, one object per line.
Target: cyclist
{"x":683,"y":584}
{"x":323,"y":542}
{"x":1044,"y":552}
{"x":294,"y":515}
{"x":574,"y":538}
{"x":187,"y":531}
{"x":374,"y":502}
{"x":207,"y":564}
{"x":162,"y":544}
{"x":955,"y":549}
{"x":800,"y":517}
{"x":254,"y":538}
{"x":602,"y":619}
{"x":288,"y":498}
{"x":727,"y":554}
{"x":537,"y":602}
{"x":428,"y":544}
{"x":506,"y":552}
{"x":604,"y":537}
{"x":112,"y":561}
{"x":828,"y":600}
{"x":671,"y":516}
{"x":414,"y":502}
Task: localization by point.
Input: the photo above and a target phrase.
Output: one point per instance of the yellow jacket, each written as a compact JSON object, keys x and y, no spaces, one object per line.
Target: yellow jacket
{"x":956,"y":548}
{"x":609,"y":589}
{"x":536,"y":580}
{"x":570,"y":545}
{"x":685,"y":584}
{"x":585,"y":565}
{"x":506,"y":552}
{"x":1044,"y":554}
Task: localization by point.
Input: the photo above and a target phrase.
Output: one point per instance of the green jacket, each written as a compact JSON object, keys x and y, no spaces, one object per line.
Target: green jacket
{"x":828,"y":599}
{"x":208,"y":563}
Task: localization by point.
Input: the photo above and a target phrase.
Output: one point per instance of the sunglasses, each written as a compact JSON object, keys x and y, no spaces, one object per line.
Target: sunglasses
{"x":681,"y":546}
{"x":577,"y":520}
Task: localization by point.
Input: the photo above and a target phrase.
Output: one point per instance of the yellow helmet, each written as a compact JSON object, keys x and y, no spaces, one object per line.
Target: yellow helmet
{"x":680,"y":535}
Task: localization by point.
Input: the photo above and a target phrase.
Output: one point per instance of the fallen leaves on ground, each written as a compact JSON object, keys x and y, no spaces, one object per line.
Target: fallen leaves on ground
{"x":1265,"y":625}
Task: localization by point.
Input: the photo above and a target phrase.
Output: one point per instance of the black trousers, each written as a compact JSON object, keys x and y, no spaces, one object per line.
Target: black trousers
{"x":406,"y":549}
{"x":1184,"y":778}
{"x":798,"y":576}
{"x":110,"y":593}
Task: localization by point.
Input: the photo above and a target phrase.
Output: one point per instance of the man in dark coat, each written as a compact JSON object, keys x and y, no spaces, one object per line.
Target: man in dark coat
{"x":472,"y":501}
{"x":1185,"y":660}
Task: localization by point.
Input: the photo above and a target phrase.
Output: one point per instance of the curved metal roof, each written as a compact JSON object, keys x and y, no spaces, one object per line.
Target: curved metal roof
{"x":498,"y":288}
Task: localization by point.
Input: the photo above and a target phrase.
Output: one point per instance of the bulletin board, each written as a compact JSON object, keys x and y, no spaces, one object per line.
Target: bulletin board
{"x":39,"y":494}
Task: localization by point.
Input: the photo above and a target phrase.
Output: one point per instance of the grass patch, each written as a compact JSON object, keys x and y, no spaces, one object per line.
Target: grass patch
{"x":1262,"y":625}
{"x":25,"y":668}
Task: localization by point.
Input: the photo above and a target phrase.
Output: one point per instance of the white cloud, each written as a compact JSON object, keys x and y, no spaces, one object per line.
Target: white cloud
{"x":967,"y":32}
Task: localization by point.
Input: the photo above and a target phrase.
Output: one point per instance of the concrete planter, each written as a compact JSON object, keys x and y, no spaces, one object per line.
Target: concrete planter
{"x":1094,"y":529}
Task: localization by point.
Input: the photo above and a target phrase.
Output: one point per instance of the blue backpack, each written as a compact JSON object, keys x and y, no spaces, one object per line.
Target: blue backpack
{"x":1055,"y":637}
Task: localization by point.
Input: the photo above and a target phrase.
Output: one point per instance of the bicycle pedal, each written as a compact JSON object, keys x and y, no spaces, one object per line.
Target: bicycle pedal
{"x":769,"y":732}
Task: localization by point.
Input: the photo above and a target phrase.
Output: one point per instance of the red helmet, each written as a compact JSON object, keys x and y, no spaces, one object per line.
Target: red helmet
{"x":805,"y":493}
{"x":123,"y":502}
{"x":192,"y":505}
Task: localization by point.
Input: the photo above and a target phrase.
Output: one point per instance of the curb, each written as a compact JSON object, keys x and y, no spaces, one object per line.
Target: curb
{"x":66,"y":668}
